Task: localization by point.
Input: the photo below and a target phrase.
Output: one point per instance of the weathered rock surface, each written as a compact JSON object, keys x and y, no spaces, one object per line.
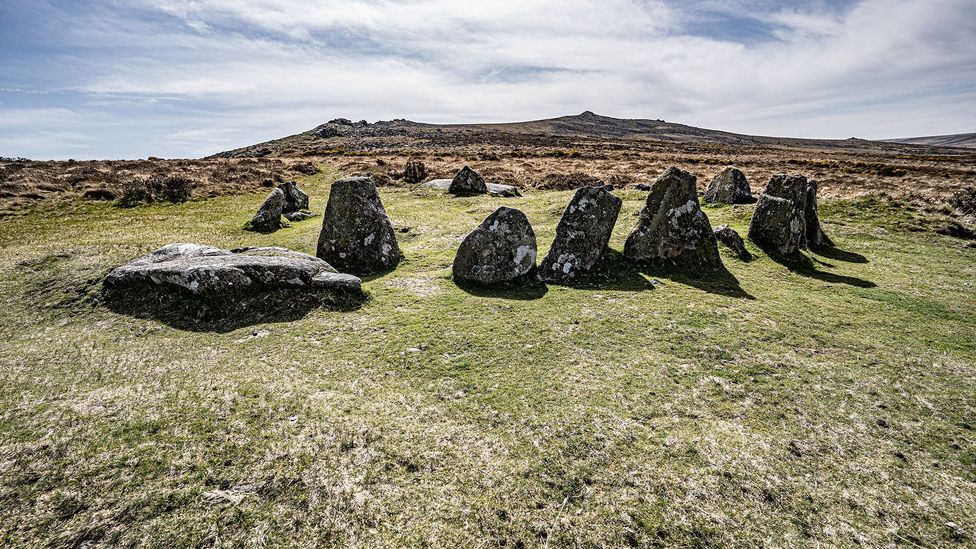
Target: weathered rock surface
{"x":496,"y":189}
{"x":468,"y":181}
{"x":295,"y":198}
{"x":357,"y":235}
{"x":672,"y":230}
{"x":729,"y":186}
{"x":502,"y":249}
{"x":268,"y":217}
{"x":803,"y":229}
{"x":777,"y":226}
{"x":582,"y":234}
{"x":731,"y":240}
{"x":414,"y":172}
{"x":209,"y":273}
{"x":298,"y":216}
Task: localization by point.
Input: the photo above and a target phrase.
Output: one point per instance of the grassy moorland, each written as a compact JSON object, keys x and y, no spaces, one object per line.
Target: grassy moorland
{"x":830,"y":405}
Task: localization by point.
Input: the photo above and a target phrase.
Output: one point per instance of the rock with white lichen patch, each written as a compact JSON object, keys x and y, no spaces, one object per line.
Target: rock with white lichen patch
{"x":731,"y":240}
{"x":502,"y":249}
{"x":582,"y":234}
{"x":208,"y":273}
{"x":357,"y":235}
{"x":672,"y":231}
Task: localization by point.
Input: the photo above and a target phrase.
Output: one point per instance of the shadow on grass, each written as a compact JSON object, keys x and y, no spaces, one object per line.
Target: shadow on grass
{"x":525,"y":289}
{"x":611,"y":272}
{"x":837,"y":254}
{"x":189,"y":313}
{"x":714,"y":280}
{"x":803,"y":265}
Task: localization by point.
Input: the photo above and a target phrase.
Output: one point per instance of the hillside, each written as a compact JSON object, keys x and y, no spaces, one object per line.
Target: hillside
{"x":564,"y":130}
{"x":964,"y":140}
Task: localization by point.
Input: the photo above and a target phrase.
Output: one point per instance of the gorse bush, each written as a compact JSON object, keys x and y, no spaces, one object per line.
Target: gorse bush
{"x":173,"y":188}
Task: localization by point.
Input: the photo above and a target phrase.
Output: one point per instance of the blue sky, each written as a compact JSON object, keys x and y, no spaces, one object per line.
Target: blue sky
{"x":187,"y":78}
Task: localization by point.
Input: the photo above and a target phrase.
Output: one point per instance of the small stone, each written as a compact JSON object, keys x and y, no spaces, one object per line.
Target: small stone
{"x":729,"y":186}
{"x":414,"y":172}
{"x":467,"y":182}
{"x":502,"y":249}
{"x":729,"y":238}
{"x":268,"y":217}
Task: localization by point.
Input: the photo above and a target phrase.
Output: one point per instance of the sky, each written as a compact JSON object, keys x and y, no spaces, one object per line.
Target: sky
{"x":188,"y":78}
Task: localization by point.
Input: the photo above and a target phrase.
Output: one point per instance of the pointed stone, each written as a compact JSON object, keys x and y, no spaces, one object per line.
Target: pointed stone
{"x":268,"y":217}
{"x":502,"y":249}
{"x":729,"y":186}
{"x":730,"y":239}
{"x":468,"y":181}
{"x":672,"y":231}
{"x":582,"y":234}
{"x":295,"y":198}
{"x":357,"y":235}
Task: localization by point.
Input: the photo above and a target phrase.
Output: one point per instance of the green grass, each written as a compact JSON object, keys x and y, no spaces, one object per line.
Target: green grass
{"x":834,"y":407}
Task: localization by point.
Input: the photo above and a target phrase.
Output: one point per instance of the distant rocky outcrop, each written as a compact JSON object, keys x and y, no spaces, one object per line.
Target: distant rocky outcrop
{"x":582,"y":234}
{"x":729,"y":186}
{"x":268,"y":217}
{"x":357,"y":235}
{"x":672,"y":230}
{"x":501,"y":250}
{"x":467,"y":182}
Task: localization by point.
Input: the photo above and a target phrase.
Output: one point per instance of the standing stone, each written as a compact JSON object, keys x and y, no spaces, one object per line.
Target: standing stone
{"x":268,"y":217}
{"x":672,"y":230}
{"x":802,"y":194}
{"x":582,"y":234}
{"x":502,"y":249}
{"x":357,"y":235}
{"x":777,"y":226}
{"x":731,"y":239}
{"x":295,"y":199}
{"x":814,"y":231}
{"x":729,"y":186}
{"x":414,"y":172}
{"x":468,"y":181}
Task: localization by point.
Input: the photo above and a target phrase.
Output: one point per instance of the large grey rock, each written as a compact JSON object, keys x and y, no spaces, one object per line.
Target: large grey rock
{"x":672,"y":231}
{"x":209,"y":273}
{"x":731,"y":240}
{"x":295,"y":199}
{"x":468,"y":181}
{"x":729,"y":186}
{"x":582,"y":234}
{"x":502,"y":249}
{"x":414,"y":172}
{"x":268,"y":217}
{"x":802,"y":197}
{"x":496,"y":189}
{"x":357,"y":235}
{"x":777,"y":226}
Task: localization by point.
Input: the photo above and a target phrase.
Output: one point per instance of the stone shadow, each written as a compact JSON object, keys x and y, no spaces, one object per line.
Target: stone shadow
{"x":714,"y":281}
{"x":803,"y":265}
{"x":525,"y":289}
{"x":184,"y":311}
{"x":611,"y":272}
{"x":837,"y":254}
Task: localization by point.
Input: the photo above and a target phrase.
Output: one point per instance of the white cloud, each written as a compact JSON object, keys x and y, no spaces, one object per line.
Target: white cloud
{"x":271,"y":67}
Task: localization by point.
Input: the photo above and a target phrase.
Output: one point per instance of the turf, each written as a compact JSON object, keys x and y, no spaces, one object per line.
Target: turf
{"x":832,"y":404}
